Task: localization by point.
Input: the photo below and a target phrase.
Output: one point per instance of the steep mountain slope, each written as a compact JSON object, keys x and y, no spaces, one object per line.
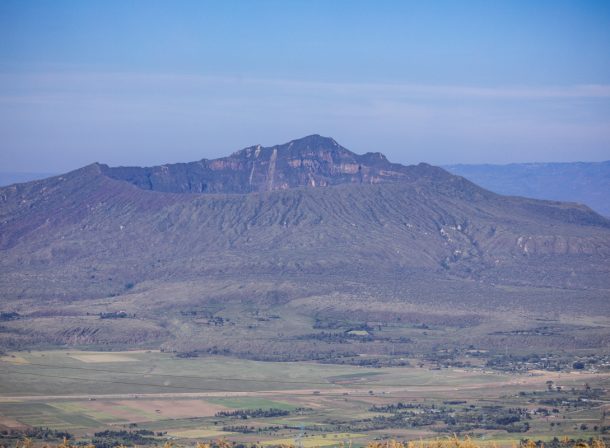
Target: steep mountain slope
{"x":309,"y":161}
{"x":101,"y":239}
{"x":585,"y":183}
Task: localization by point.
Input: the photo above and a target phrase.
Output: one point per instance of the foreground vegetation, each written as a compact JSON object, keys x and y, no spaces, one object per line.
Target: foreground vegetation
{"x":449,"y":442}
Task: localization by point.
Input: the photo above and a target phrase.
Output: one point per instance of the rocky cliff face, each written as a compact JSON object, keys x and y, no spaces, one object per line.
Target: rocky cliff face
{"x":312,"y":161}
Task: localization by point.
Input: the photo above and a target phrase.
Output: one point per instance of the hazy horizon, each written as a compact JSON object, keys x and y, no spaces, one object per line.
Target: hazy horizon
{"x":147,"y":83}
{"x":34,"y":175}
{"x":41,"y":174}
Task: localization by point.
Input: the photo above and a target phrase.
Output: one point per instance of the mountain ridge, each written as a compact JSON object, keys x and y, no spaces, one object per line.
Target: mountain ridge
{"x":424,"y":245}
{"x":433,"y":195}
{"x":310,"y":161}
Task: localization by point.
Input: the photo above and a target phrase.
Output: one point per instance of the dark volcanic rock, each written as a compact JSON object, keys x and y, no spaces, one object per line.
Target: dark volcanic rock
{"x":312,"y":161}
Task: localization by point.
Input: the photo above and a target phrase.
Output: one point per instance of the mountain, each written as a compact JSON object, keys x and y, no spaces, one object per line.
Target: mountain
{"x":313,"y":161}
{"x":585,"y":183}
{"x":276,"y":253}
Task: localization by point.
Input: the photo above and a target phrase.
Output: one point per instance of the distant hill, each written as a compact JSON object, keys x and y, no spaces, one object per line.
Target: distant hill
{"x":583,"y":182}
{"x":279,"y":252}
{"x":7,"y":178}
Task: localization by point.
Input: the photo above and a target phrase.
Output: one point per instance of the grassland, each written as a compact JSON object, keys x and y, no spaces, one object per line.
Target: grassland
{"x":322,"y":404}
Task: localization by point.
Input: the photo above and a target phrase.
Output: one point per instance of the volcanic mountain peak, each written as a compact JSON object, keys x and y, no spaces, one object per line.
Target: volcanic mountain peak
{"x":310,"y":143}
{"x":311,"y":146}
{"x":311,"y":161}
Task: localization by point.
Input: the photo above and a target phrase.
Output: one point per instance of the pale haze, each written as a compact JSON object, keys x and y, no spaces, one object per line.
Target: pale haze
{"x":145,"y":83}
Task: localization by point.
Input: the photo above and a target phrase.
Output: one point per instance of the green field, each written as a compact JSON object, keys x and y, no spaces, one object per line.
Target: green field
{"x":85,"y":392}
{"x":251,"y":403}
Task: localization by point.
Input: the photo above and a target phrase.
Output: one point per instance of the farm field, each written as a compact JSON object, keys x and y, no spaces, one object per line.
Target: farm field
{"x":271,"y":403}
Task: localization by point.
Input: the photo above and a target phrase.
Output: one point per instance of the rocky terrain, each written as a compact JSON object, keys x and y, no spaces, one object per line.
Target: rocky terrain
{"x":313,"y":161}
{"x":295,"y":246}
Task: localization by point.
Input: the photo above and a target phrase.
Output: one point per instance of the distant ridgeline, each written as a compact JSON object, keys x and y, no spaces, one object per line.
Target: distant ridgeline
{"x":585,"y":183}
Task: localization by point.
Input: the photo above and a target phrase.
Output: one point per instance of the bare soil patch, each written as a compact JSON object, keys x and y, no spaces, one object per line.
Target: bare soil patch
{"x":174,"y":408}
{"x":94,"y":357}
{"x":9,"y":423}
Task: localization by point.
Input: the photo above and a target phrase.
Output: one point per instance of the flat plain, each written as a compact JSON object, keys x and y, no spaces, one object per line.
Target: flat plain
{"x":310,"y":403}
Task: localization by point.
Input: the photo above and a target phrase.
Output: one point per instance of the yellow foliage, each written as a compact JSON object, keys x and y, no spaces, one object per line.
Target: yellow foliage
{"x":467,"y":442}
{"x":27,"y":443}
{"x":449,"y":442}
{"x":222,"y":443}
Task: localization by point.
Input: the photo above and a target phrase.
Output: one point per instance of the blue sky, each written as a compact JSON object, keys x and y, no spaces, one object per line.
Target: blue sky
{"x":149,"y":82}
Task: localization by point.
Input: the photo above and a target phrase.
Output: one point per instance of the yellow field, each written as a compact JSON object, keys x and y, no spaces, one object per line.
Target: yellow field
{"x":14,"y":359}
{"x":317,"y":440}
{"x":198,"y":433}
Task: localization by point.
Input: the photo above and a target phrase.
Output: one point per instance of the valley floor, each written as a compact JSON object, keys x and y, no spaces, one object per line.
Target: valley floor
{"x":158,"y":396}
